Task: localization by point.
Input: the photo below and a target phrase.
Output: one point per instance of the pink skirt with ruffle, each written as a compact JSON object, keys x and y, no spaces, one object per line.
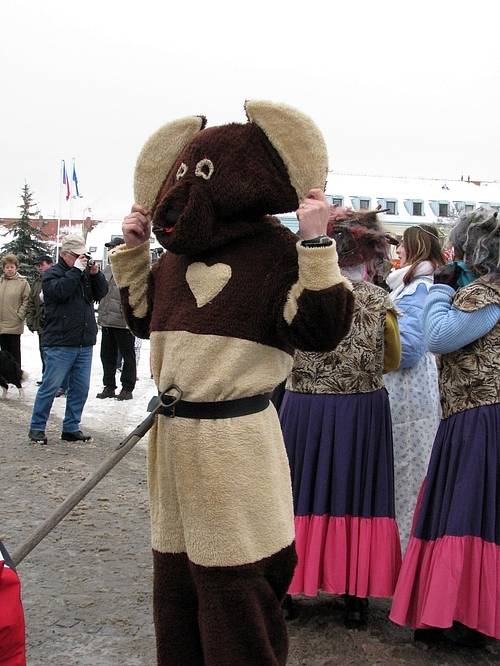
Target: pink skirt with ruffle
{"x":339,"y":555}
{"x":454,"y":578}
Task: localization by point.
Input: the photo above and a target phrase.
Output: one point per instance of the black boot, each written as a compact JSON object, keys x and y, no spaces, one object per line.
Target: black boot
{"x":37,"y":437}
{"x":290,"y":610}
{"x":77,"y":436}
{"x":107,"y":392}
{"x":356,"y":612}
{"x":462,"y":635}
{"x":124,"y":395}
{"x":428,"y":636}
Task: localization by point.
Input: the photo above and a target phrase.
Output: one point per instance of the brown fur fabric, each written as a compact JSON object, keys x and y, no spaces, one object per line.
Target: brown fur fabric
{"x":209,"y":599}
{"x":304,"y":334}
{"x":175,"y":604}
{"x":139,"y":325}
{"x":255,"y":296}
{"x":159,"y":153}
{"x":247,"y":182}
{"x":226,"y":307}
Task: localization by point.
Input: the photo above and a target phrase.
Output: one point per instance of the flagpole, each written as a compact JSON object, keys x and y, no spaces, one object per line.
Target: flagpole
{"x":70,"y":198}
{"x":59,"y":213}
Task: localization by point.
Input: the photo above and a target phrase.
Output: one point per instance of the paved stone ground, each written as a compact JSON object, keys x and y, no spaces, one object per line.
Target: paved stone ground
{"x":87,"y":587}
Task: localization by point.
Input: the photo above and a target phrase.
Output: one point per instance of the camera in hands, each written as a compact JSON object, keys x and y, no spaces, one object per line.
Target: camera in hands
{"x":90,"y":261}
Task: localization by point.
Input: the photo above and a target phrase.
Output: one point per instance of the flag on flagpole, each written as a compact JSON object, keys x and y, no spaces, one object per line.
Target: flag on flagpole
{"x":75,"y":180}
{"x":66,"y":181}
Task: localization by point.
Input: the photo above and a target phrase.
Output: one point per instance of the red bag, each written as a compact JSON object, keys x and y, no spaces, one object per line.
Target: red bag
{"x":12,"y":635}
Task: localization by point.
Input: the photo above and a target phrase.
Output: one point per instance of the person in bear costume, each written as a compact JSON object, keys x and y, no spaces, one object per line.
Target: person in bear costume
{"x":225,"y":307}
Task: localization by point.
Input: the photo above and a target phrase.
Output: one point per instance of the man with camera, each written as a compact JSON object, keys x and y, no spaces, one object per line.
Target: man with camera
{"x":70,"y":289}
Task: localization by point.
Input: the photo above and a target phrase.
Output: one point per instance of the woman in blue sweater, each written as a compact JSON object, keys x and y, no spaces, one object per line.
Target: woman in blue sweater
{"x":413,"y":389}
{"x":450,"y":576}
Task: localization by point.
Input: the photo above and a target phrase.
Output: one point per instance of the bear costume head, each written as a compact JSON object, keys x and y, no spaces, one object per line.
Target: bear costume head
{"x":207,"y":186}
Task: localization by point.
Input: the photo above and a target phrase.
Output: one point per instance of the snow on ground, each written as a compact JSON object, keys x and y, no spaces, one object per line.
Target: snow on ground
{"x":97,"y":414}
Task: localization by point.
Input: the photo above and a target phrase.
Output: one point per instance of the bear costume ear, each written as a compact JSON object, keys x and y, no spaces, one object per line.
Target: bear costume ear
{"x":159,"y":155}
{"x":297,"y":140}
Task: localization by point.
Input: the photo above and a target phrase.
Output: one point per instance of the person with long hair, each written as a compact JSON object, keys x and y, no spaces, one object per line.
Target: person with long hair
{"x":450,"y":576}
{"x":413,"y":388}
{"x":336,"y":424}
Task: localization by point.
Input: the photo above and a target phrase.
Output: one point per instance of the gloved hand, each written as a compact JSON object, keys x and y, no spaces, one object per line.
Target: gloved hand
{"x":81,"y":263}
{"x":447,"y":274}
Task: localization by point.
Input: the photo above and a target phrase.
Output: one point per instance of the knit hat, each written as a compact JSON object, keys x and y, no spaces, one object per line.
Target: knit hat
{"x":73,"y":243}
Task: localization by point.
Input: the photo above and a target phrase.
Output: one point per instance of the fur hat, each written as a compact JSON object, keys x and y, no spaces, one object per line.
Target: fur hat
{"x":359,"y":236}
{"x":477,"y":234}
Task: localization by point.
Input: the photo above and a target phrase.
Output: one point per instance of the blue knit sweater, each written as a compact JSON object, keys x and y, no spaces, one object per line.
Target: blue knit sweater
{"x":446,"y":328}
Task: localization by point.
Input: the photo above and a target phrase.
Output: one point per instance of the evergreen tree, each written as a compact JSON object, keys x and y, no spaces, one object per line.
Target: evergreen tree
{"x":28,"y":241}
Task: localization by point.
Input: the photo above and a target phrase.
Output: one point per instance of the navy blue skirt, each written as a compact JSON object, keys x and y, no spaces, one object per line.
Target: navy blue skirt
{"x":341,"y":461}
{"x":451,"y":569}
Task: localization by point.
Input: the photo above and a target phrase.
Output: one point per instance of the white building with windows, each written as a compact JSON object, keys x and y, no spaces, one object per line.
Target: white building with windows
{"x":407,"y":200}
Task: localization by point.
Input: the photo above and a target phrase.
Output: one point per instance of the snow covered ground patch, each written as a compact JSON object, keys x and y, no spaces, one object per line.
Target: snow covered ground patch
{"x":97,"y":414}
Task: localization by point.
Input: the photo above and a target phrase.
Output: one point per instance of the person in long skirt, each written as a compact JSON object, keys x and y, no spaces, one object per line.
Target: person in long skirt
{"x":413,"y":389}
{"x":336,"y":424}
{"x":450,"y":576}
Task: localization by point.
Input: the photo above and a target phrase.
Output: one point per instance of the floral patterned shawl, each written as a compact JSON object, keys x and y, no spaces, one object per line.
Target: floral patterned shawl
{"x":357,"y":364}
{"x":470,"y":377}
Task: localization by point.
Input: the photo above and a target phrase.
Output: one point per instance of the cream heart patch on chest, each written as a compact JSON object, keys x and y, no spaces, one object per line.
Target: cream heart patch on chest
{"x":206,"y":282}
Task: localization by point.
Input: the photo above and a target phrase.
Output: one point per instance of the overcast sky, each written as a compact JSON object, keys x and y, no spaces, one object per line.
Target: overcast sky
{"x":398,"y":88}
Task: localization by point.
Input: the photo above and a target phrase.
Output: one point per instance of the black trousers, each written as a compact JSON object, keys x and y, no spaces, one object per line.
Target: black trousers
{"x":11,"y":343}
{"x":112,"y":341}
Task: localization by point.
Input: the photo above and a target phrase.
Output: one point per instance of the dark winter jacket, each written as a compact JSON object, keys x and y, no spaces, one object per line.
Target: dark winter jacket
{"x":69,"y":295}
{"x":34,"y":311}
{"x":110,"y":308}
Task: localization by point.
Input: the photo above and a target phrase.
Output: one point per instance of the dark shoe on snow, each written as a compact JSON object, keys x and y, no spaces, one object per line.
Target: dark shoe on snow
{"x":107,"y":392}
{"x":37,"y":437}
{"x":124,"y":395}
{"x":77,"y":436}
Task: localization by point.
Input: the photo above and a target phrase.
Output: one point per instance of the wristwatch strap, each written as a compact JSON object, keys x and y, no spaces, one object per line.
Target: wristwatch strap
{"x":319,"y":241}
